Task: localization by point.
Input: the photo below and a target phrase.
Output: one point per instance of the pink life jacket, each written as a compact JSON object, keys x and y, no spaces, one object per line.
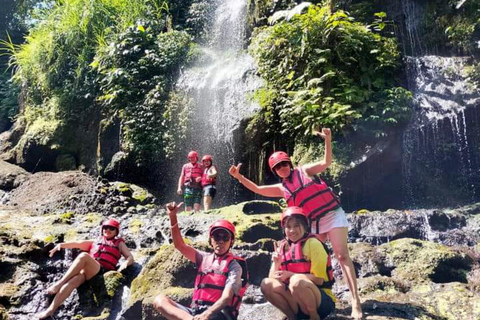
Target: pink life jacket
{"x":206,"y":180}
{"x":190,"y":173}
{"x":311,"y":194}
{"x":211,"y":279}
{"x":106,"y":252}
{"x":293,"y":259}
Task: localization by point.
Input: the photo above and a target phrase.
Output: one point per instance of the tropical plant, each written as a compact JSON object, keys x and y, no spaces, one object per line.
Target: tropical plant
{"x":324,"y":68}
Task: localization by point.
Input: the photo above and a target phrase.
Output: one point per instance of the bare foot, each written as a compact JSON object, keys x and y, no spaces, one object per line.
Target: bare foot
{"x":356,"y":310}
{"x":45,"y":314}
{"x":53,"y":289}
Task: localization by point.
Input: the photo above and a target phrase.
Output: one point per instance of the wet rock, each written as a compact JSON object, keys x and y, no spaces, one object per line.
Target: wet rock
{"x":11,"y":176}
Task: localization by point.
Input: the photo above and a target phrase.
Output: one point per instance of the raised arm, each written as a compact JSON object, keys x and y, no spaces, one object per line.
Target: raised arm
{"x":274,"y":191}
{"x":178,"y":242}
{"x":312,"y":169}
{"x":212,"y":172}
{"x":127,"y":255}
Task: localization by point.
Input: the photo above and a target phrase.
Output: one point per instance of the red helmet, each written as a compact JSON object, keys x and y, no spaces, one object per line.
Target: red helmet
{"x":278,"y":157}
{"x":207,"y":157}
{"x":222,"y":224}
{"x":293,"y":211}
{"x":193,"y":154}
{"x":112,"y":223}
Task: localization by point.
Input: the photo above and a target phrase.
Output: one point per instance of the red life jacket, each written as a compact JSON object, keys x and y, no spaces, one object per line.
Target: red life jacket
{"x":190,"y":173}
{"x":211,"y":279}
{"x":106,"y":252}
{"x":311,"y":194}
{"x":206,"y":180}
{"x":293,"y":259}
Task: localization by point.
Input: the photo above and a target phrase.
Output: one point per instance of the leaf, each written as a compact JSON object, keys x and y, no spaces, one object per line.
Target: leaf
{"x":141,"y":28}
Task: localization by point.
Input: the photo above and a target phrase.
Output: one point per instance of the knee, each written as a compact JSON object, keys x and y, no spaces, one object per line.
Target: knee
{"x":342,"y":255}
{"x":83,"y":256}
{"x":298,"y":283}
{"x":159,"y":302}
{"x":265,"y":286}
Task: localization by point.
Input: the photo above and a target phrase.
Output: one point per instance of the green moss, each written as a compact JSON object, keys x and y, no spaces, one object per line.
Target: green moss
{"x":51,"y":238}
{"x":93,"y":218}
{"x":419,"y":261}
{"x":113,"y":280}
{"x":67,"y":217}
{"x":140,"y":196}
{"x":135,"y":226}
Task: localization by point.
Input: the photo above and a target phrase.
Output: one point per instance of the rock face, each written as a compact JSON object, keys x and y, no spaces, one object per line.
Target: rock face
{"x":422,"y":264}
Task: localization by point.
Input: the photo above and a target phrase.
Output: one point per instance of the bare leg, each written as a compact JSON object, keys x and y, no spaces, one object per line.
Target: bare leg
{"x":83,"y":262}
{"x":207,"y":203}
{"x":338,"y":239}
{"x":275,"y":293}
{"x":63,"y":294}
{"x":306,"y":294}
{"x":168,"y":308}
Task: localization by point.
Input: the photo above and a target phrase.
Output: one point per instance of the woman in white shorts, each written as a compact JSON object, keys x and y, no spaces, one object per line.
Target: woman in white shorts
{"x":303,"y":188}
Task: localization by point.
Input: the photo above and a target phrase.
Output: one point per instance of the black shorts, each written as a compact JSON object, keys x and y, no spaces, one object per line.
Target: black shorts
{"x":326,"y":307}
{"x":216,"y":316}
{"x":210,"y":190}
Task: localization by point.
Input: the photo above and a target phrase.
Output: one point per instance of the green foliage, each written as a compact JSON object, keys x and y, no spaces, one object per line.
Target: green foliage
{"x":137,"y":71}
{"x":326,"y":69}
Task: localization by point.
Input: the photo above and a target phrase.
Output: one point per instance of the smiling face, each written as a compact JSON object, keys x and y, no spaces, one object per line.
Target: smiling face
{"x":294,"y":229}
{"x":282,"y":169}
{"x":207,"y":163}
{"x":221,"y":241}
{"x":109,"y":232}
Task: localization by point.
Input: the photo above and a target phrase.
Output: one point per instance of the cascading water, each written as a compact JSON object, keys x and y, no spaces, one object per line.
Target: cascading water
{"x":440,"y":153}
{"x":218,"y":86}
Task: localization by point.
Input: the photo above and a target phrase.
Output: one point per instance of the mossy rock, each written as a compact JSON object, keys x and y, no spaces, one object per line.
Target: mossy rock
{"x":380,"y":285}
{"x":253,"y":220}
{"x":168,"y":268}
{"x":124,"y":189}
{"x":113,"y":280}
{"x":7,"y":290}
{"x":451,"y":301}
{"x":3,"y":313}
{"x":420,"y":261}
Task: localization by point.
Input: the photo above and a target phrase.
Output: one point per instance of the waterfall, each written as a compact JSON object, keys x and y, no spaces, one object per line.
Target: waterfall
{"x":218,"y":86}
{"x":440,"y":152}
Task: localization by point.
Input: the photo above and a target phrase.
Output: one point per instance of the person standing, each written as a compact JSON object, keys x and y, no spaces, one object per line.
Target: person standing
{"x":191,"y":180}
{"x":302,"y":187}
{"x":209,"y":181}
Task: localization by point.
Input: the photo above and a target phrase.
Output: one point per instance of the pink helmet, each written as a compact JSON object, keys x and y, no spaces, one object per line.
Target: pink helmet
{"x":111,"y":223}
{"x":293,"y":211}
{"x":278,"y":157}
{"x":222,"y":224}
{"x":193,"y":154}
{"x":207,"y":157}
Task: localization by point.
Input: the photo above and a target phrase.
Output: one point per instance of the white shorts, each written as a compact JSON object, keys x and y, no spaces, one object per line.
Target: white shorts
{"x":333,"y":219}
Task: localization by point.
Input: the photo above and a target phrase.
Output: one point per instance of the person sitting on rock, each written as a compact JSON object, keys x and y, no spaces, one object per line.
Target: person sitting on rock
{"x":218,"y":286}
{"x":103,"y":255}
{"x":209,"y":180}
{"x":191,"y":180}
{"x":301,"y":276}
{"x":301,"y":186}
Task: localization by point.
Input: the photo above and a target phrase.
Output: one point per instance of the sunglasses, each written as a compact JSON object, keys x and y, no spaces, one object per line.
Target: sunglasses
{"x":110,"y":228}
{"x":281,"y":164}
{"x":221,"y":237}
